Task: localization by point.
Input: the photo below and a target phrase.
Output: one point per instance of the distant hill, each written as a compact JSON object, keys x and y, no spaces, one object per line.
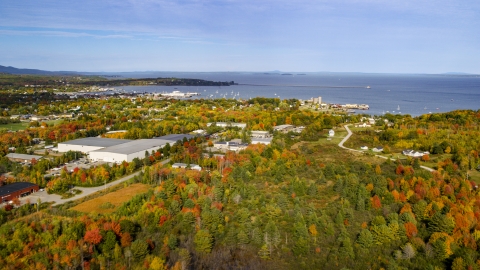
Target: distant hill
{"x":18,"y":71}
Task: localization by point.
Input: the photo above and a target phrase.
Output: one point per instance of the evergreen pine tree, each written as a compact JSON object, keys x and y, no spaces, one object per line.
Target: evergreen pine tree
{"x":300,"y":238}
{"x":346,"y":249}
{"x":365,"y":238}
{"x":264,"y":252}
{"x":231,"y":236}
{"x":203,"y":241}
{"x":257,"y":236}
{"x":242,"y":237}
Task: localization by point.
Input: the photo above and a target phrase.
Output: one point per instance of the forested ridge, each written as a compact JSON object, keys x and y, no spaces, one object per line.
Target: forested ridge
{"x":78,"y":82}
{"x":301,"y":202}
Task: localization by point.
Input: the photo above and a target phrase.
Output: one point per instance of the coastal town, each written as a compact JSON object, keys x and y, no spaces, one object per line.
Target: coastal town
{"x":138,"y":168}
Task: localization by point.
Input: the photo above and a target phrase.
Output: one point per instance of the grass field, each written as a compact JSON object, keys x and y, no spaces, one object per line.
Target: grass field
{"x":15,"y":126}
{"x":474,"y":175}
{"x":24,"y":125}
{"x":115,"y":198}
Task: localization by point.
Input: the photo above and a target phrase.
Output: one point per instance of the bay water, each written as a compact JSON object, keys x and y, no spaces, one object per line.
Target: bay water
{"x":384,"y":93}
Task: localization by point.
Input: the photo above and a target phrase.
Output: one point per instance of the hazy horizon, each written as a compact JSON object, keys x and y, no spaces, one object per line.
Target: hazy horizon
{"x":279,"y":72}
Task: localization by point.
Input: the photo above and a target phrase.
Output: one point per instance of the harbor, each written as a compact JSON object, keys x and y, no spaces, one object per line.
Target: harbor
{"x":179,"y":94}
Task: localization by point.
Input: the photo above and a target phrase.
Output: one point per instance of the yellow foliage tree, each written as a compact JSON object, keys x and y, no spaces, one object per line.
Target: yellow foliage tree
{"x":157,"y":264}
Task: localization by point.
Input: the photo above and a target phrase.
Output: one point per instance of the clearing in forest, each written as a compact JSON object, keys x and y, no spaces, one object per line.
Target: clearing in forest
{"x":108,"y":203}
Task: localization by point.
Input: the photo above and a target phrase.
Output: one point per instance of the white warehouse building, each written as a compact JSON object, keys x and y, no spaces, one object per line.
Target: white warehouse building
{"x":119,"y":150}
{"x":128,"y":151}
{"x":89,"y":144}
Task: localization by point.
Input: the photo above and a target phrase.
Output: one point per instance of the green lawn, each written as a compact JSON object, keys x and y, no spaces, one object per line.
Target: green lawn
{"x":24,"y":125}
{"x":15,"y":126}
{"x":474,"y":175}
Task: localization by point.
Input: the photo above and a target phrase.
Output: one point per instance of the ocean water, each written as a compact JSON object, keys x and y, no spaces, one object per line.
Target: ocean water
{"x":393,"y":93}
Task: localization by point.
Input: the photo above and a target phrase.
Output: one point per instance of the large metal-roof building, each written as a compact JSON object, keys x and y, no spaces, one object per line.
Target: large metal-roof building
{"x":117,"y":150}
{"x":22,"y":157}
{"x":89,"y":144}
{"x":16,"y":190}
{"x":176,"y":137}
{"x":128,"y":151}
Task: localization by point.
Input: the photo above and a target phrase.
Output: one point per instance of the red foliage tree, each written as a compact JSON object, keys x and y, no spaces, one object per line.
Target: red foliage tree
{"x":399,"y":170}
{"x":162,"y":220}
{"x":376,"y":203}
{"x":83,"y":177}
{"x":410,"y":229}
{"x":93,"y":236}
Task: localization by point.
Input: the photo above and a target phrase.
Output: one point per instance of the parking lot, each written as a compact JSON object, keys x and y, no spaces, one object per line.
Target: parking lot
{"x":81,"y":164}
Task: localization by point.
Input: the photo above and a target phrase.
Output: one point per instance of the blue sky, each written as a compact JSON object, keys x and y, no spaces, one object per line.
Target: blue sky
{"x":384,"y":36}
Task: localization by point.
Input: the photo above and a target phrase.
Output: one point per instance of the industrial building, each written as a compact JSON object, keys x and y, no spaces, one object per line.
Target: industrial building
{"x":117,"y":150}
{"x":89,"y":144}
{"x":127,"y":151}
{"x":231,"y":145}
{"x":260,"y":134}
{"x":22,"y":157}
{"x":229,"y":124}
{"x":16,"y":190}
{"x":176,"y":137}
{"x":283,"y":128}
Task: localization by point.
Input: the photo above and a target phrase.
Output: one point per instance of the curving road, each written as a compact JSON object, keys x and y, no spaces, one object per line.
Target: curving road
{"x":57,"y":199}
{"x":355,"y":150}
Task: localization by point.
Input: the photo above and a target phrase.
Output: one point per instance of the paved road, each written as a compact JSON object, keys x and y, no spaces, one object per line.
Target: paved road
{"x":350,"y":134}
{"x":57,"y":199}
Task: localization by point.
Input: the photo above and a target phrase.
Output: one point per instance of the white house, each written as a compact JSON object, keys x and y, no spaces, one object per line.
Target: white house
{"x":186,"y":166}
{"x":378,"y":149}
{"x":331,"y":133}
{"x":412,"y":153}
{"x":364,"y":125}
